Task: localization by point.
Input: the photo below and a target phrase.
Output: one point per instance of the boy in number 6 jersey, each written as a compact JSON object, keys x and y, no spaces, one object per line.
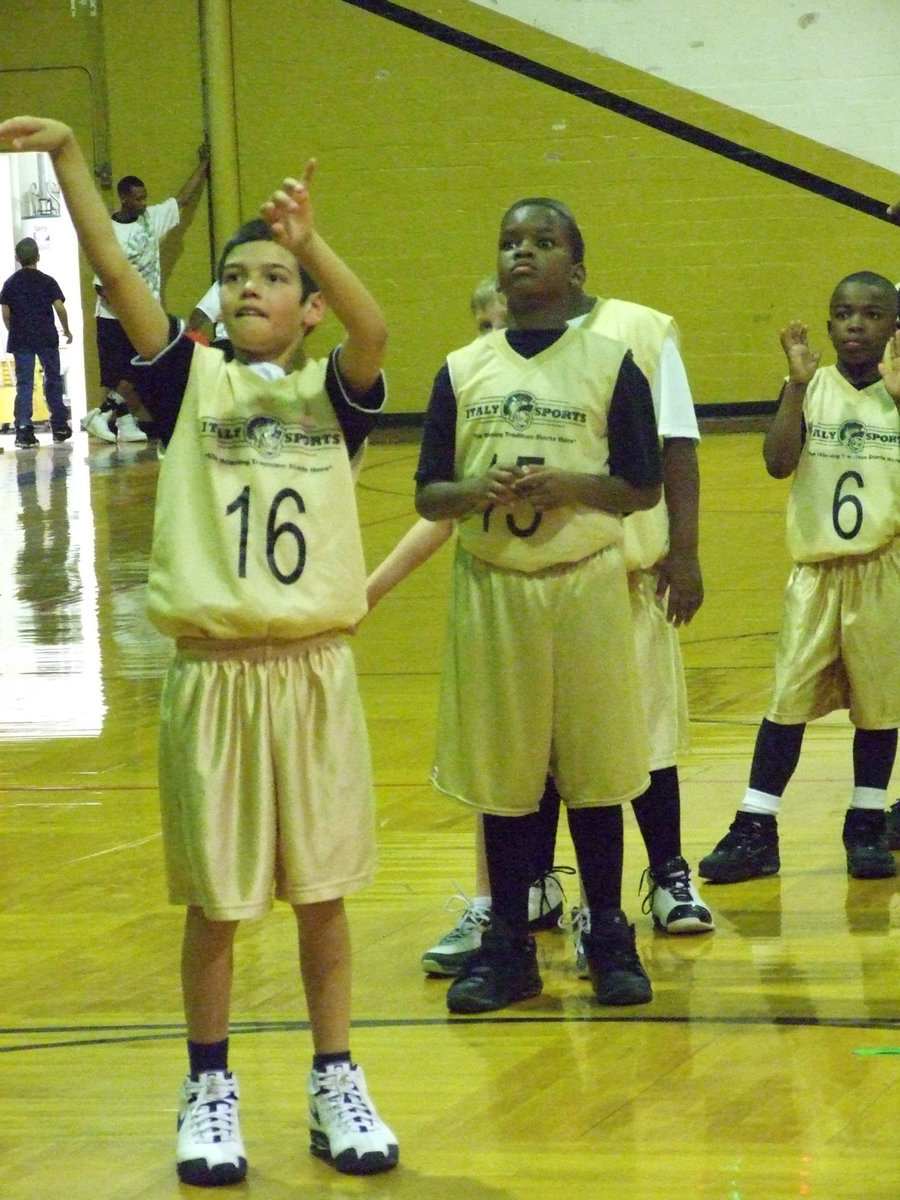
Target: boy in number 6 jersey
{"x":257,"y":570}
{"x":837,"y":431}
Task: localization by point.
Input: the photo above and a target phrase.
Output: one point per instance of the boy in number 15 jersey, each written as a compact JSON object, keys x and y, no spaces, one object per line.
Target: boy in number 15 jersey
{"x":537,"y":438}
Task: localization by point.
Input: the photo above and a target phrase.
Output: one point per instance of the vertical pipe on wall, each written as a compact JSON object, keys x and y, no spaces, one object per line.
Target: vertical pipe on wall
{"x":221,"y":125}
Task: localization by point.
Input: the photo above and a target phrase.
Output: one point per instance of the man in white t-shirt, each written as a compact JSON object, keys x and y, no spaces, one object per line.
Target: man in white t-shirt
{"x":139,"y":228}
{"x":207,"y":315}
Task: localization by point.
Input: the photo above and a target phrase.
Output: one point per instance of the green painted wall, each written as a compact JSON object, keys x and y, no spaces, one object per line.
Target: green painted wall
{"x":422,"y":146}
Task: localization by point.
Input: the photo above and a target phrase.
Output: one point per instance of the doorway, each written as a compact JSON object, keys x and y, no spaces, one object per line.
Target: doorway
{"x":31,"y":206}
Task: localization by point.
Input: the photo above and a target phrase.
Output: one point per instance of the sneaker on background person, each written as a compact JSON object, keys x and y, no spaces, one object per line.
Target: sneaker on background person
{"x":892,"y":826}
{"x":502,"y":971}
{"x":129,"y":430}
{"x":616,"y":972}
{"x":62,"y":434}
{"x":210,"y":1151}
{"x":345,"y":1130}
{"x":546,"y":901}
{"x":449,"y":954}
{"x":99,"y":424}
{"x":579,"y":923}
{"x":674,"y":903}
{"x":866,"y":842}
{"x":749,"y":850}
{"x":25,"y":437}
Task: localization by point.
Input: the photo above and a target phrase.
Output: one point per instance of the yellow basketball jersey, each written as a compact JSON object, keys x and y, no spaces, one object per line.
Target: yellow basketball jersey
{"x":643,"y":330}
{"x":256,"y":533}
{"x":845,"y":495}
{"x":551,"y":409}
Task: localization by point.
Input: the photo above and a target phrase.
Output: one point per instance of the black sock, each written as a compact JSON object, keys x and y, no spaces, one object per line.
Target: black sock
{"x":509,"y":847}
{"x":874,"y":751}
{"x":321,"y":1061}
{"x":114,"y":403}
{"x":658,"y":814}
{"x":207,"y":1056}
{"x":775,"y":756}
{"x":597,"y":834}
{"x":545,"y":830}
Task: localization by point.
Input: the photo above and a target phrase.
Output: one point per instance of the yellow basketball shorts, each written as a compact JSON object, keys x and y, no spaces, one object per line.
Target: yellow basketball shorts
{"x":660,"y":672}
{"x":264,"y":776}
{"x":540,"y":673}
{"x":838,"y":645}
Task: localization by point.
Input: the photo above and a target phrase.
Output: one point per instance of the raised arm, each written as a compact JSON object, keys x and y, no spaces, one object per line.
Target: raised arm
{"x":289,"y":212}
{"x":784,"y":441}
{"x":141,"y":315}
{"x":190,"y":189}
{"x":890,"y":370}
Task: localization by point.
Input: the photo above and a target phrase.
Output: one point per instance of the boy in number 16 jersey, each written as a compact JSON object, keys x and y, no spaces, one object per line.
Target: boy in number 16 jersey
{"x":837,"y":431}
{"x":257,"y":570}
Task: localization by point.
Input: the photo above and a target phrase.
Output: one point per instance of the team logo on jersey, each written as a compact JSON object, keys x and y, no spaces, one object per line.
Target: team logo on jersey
{"x":265,"y":435}
{"x":518,"y":409}
{"x":521,"y":410}
{"x":852,"y":434}
{"x":269,"y":437}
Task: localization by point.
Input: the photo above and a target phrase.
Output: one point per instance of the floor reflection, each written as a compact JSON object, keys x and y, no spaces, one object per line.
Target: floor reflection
{"x":123,"y":489}
{"x":49,"y":638}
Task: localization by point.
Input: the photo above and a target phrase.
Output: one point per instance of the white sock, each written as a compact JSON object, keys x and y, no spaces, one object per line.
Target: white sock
{"x":481,"y":902}
{"x":869,"y":798}
{"x":760,"y":803}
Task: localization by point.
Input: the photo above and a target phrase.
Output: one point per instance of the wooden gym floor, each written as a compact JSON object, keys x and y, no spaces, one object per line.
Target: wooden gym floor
{"x":766,"y":1066}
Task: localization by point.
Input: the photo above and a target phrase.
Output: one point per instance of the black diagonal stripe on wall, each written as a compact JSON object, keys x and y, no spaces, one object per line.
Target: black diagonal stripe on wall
{"x":600,"y":97}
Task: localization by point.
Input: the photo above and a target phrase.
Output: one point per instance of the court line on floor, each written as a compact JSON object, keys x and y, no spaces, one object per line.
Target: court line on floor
{"x":100,"y":1035}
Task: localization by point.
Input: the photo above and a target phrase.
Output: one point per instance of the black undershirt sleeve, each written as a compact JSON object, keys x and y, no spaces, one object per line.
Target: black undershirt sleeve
{"x":437,"y":455}
{"x":634,"y":453}
{"x":357,"y":417}
{"x":162,"y":383}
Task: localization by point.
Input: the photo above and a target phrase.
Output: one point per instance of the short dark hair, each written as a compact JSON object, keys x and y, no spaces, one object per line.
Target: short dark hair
{"x":27,"y":252}
{"x":127,"y":183}
{"x":874,"y":280}
{"x":259,"y":230}
{"x":564,"y":213}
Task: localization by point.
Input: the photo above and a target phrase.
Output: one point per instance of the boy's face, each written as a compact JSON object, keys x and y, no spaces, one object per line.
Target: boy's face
{"x":492,"y":315}
{"x":133,"y":201}
{"x":535,"y":254}
{"x":262,"y":304}
{"x":862,"y":318}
